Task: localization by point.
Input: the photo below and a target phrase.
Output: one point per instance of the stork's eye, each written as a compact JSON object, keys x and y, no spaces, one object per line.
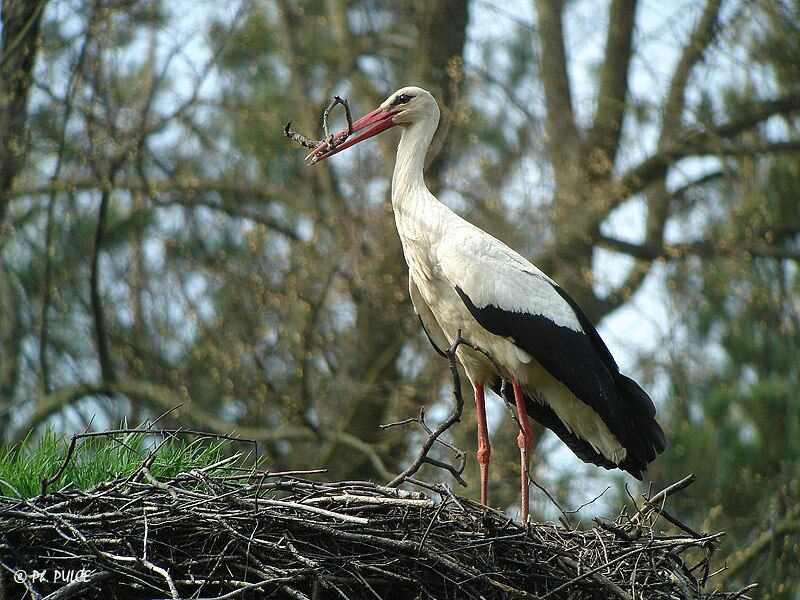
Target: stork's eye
{"x":402,"y":99}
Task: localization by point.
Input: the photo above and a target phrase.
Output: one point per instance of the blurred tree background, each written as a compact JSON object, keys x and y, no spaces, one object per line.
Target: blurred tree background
{"x":161,"y":243}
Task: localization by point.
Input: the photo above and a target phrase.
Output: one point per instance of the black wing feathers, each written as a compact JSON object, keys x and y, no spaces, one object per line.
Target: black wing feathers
{"x":582,"y":362}
{"x":632,"y":394}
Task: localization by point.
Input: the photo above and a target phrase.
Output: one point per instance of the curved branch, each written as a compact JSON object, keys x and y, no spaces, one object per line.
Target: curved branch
{"x":159,"y":399}
{"x":702,"y":141}
{"x":757,"y":113}
{"x":650,"y":252}
{"x":701,"y":38}
{"x":791,"y":524}
{"x":188,"y":193}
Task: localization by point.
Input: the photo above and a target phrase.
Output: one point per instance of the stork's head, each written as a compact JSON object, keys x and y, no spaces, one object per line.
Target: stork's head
{"x":407,"y":106}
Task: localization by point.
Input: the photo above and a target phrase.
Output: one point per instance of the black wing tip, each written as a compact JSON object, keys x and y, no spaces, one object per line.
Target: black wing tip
{"x":635,"y":473}
{"x":642,"y":411}
{"x":644,"y":438}
{"x":634,"y":395}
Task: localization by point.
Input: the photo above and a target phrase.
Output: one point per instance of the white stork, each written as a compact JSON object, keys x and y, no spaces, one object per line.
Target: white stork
{"x":460,"y":277}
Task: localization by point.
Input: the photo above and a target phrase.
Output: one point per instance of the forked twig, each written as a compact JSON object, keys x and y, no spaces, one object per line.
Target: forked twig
{"x":329,"y":138}
{"x":433,"y":435}
{"x":655,"y":502}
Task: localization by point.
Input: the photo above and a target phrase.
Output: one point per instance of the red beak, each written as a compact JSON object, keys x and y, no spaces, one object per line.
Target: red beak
{"x":372,"y":124}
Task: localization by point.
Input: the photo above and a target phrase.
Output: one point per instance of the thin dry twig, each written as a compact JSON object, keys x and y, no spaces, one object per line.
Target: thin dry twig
{"x":585,"y":504}
{"x":332,"y":142}
{"x":434,"y":434}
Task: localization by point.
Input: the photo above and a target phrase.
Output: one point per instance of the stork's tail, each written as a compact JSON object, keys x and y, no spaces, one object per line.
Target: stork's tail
{"x":641,"y":410}
{"x":642,"y":413}
{"x":545,"y":415}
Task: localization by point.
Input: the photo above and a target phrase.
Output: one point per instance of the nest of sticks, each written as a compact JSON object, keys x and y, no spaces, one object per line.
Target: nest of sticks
{"x":251,"y":534}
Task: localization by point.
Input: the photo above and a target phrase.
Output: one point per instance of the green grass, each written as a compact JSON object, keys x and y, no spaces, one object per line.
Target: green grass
{"x":97,"y":459}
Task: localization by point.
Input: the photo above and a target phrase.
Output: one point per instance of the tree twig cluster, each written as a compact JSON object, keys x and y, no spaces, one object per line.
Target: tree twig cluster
{"x":222,"y":532}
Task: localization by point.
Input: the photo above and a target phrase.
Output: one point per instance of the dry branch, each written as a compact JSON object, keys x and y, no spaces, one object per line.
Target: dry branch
{"x":434,"y":434}
{"x":329,"y":138}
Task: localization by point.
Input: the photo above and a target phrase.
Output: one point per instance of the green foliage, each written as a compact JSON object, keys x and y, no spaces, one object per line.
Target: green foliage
{"x":738,"y":425}
{"x":97,"y":459}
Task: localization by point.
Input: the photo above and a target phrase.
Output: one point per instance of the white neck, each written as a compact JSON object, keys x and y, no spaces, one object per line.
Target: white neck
{"x":415,"y":208}
{"x":408,"y":169}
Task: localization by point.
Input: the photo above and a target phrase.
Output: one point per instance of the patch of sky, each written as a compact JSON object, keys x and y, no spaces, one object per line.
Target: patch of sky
{"x":342,"y":313}
{"x":411,"y":362}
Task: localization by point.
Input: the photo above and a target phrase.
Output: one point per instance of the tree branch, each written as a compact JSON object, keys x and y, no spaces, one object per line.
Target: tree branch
{"x":743,"y":557}
{"x":701,"y":38}
{"x":658,"y":205}
{"x":710,"y":148}
{"x":709,"y":141}
{"x":605,"y":133}
{"x":69,"y":104}
{"x":437,"y":64}
{"x":679,"y":198}
{"x":157,"y":398}
{"x":20,"y":32}
{"x":11,"y":339}
{"x":161,"y":400}
{"x":100,"y":330}
{"x":757,"y":113}
{"x":433,"y":435}
{"x":700,"y":141}
{"x":293,"y":28}
{"x":561,"y":130}
{"x":650,"y":252}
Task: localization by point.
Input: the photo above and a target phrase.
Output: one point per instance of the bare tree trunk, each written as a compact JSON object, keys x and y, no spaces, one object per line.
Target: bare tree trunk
{"x":20,"y":32}
{"x":442,"y":34}
{"x":570,"y":259}
{"x":604,"y":136}
{"x":442,"y":29}
{"x":11,"y":336}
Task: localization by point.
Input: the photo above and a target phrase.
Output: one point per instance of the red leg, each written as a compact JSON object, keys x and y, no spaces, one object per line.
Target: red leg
{"x":484,"y":449}
{"x":524,"y":440}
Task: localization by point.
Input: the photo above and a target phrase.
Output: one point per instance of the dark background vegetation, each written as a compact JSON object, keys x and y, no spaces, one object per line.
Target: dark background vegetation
{"x":161,"y":243}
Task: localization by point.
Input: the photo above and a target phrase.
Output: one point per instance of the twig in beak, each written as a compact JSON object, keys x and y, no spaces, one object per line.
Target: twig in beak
{"x":306,"y":142}
{"x":328,"y":134}
{"x":299,"y":137}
